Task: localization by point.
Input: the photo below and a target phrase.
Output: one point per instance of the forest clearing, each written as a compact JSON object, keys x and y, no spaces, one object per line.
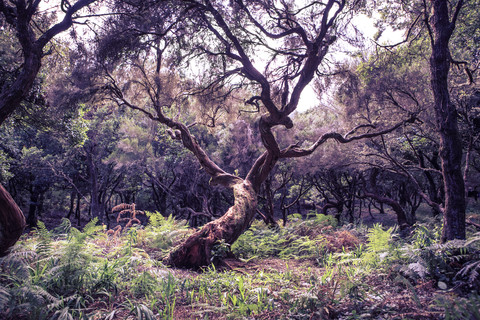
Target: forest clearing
{"x":240,"y":159}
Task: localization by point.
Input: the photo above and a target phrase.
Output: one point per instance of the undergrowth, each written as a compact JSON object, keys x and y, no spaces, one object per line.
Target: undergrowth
{"x":309,"y":269}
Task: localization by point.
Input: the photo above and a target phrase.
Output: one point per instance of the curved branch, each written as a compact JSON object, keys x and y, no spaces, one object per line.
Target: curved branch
{"x":294,"y":151}
{"x":298,"y":30}
{"x":181,"y":132}
{"x":64,"y":24}
{"x":455,"y":14}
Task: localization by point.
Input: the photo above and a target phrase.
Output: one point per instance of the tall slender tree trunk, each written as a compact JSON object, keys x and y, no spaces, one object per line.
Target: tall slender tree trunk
{"x":95,"y":206}
{"x":32,"y":218}
{"x":446,"y":117}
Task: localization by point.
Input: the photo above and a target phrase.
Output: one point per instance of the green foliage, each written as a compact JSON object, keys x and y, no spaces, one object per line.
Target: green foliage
{"x":470,"y":270}
{"x":156,"y":219}
{"x":425,"y":235}
{"x":460,"y":308}
{"x":378,"y":245}
{"x":85,"y":274}
{"x":378,"y":239}
{"x":298,"y":240}
{"x":219,"y":251}
{"x":164,"y":233}
{"x":44,"y":246}
{"x":143,"y":285}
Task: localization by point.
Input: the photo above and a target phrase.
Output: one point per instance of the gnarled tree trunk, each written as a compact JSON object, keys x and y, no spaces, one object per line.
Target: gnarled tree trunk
{"x":196,"y":251}
{"x":12,"y":221}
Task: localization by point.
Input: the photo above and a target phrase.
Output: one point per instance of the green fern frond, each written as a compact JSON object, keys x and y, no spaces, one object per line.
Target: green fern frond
{"x":58,"y":303}
{"x":471,"y":270}
{"x":475,"y":239}
{"x":155,"y":219}
{"x":91,"y":227}
{"x":5,"y":297}
{"x":45,"y":241}
{"x":16,"y":264}
{"x":63,"y":228}
{"x":378,"y":239}
{"x":63,"y":314}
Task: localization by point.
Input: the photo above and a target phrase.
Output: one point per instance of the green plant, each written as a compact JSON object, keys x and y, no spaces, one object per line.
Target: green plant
{"x":460,"y":308}
{"x":142,"y":312}
{"x":44,"y":245}
{"x":470,"y":256}
{"x":425,"y":235}
{"x":378,"y":245}
{"x":219,"y":251}
{"x":167,"y":292}
{"x":378,"y":239}
{"x":144,"y":284}
{"x":299,"y":240}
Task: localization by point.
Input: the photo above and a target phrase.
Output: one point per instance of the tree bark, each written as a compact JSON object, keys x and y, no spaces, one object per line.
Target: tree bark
{"x":96,"y":207}
{"x":196,"y":251}
{"x":32,"y":218}
{"x":12,"y":221}
{"x":446,"y":117}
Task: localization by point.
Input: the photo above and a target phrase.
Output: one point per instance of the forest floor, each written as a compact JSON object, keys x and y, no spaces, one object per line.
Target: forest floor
{"x":376,"y":296}
{"x":309,"y":269}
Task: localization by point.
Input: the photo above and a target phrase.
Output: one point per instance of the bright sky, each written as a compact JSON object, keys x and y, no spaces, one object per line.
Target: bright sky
{"x":308,"y":98}
{"x":366,"y":25}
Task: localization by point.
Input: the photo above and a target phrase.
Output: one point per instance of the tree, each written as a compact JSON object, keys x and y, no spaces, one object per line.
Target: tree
{"x":302,"y":37}
{"x":440,"y":19}
{"x":20,"y":17}
{"x":441,"y":25}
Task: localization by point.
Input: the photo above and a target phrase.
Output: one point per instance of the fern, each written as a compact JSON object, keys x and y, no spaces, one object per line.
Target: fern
{"x":474,"y":241}
{"x":63,"y":228}
{"x":72,"y":271}
{"x":155,"y":219}
{"x":460,"y":308}
{"x":425,"y":236}
{"x":4,"y":297}
{"x":63,"y":314}
{"x":296,"y":241}
{"x":470,"y":255}
{"x":378,"y":239}
{"x":44,"y":246}
{"x":471,"y":270}
{"x":15,"y":266}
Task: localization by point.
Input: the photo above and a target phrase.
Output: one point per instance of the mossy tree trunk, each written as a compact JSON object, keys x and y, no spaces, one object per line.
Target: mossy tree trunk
{"x":196,"y":251}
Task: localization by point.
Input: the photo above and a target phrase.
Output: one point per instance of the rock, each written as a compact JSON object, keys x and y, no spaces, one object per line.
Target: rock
{"x":442,"y":285}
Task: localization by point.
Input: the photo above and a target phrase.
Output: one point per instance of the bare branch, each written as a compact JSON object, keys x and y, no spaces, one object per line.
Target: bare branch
{"x":294,"y":151}
{"x":455,"y":14}
{"x":64,"y":24}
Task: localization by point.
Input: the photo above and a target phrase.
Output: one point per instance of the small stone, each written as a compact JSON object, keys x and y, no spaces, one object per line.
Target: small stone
{"x":442,"y":285}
